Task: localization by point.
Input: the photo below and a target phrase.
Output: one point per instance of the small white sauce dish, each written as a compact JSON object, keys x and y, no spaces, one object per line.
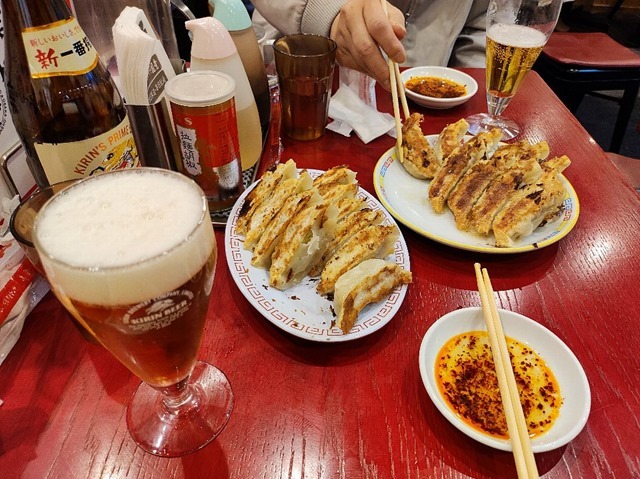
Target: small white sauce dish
{"x":441,"y":72}
{"x":568,"y":371}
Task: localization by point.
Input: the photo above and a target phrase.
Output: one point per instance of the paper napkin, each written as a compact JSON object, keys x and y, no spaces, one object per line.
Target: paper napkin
{"x":349,"y":112}
{"x":143,"y":64}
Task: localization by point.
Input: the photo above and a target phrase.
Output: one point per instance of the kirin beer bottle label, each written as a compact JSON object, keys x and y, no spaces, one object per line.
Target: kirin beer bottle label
{"x":113,"y":150}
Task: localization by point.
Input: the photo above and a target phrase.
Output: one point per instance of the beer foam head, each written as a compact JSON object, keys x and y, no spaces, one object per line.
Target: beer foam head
{"x":141,"y":230}
{"x":516,"y":35}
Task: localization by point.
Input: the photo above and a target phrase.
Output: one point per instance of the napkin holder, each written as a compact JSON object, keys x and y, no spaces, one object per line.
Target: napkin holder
{"x":151,"y":130}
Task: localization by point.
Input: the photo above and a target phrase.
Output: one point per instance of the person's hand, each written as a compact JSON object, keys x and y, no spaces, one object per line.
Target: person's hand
{"x":360,"y":33}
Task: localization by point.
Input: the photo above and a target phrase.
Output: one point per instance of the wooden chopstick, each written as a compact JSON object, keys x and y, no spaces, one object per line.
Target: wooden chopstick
{"x":516,"y":423}
{"x":397,"y":90}
{"x":521,"y":422}
{"x":402,"y":94}
{"x":396,"y":110}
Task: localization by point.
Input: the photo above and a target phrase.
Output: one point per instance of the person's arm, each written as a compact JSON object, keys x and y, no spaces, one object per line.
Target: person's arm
{"x":359,"y":32}
{"x":300,"y":16}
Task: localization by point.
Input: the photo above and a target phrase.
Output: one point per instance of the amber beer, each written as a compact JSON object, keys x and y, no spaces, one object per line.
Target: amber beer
{"x":511,"y":52}
{"x":132,"y":255}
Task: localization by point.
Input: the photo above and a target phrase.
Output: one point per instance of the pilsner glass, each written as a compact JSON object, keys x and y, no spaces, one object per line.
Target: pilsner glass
{"x":132,"y":254}
{"x":517,"y":30}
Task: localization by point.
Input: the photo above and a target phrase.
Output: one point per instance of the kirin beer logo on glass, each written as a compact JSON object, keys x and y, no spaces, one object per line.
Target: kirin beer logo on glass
{"x":159,"y":313}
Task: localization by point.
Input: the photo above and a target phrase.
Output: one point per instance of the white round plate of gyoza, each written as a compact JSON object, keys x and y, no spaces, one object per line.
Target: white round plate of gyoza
{"x":317,"y":255}
{"x":494,"y":198}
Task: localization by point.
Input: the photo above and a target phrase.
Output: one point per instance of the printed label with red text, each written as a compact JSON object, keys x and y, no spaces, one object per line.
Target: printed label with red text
{"x":205,"y":140}
{"x":58,"y":49}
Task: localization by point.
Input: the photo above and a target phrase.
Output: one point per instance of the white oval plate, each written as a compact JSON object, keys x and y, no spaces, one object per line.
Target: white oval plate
{"x":572,"y":380}
{"x":300,"y":310}
{"x":406,"y":198}
{"x":442,"y":72}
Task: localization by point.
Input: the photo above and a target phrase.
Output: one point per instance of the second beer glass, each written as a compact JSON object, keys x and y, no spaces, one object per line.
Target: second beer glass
{"x":132,"y":255}
{"x":516,"y":33}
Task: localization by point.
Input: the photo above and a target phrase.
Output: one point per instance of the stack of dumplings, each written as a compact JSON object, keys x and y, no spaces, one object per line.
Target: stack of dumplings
{"x":508,"y":190}
{"x":297,"y":226}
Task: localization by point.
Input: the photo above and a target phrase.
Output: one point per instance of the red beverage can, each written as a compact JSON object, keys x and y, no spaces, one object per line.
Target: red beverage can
{"x":204,"y":118}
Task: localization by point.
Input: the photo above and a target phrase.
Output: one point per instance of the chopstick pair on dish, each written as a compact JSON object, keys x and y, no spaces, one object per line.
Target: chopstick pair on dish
{"x":516,"y":423}
{"x":397,"y":91}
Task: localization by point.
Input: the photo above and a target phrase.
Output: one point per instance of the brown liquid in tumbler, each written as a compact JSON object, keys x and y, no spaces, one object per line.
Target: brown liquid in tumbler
{"x":305,"y":105}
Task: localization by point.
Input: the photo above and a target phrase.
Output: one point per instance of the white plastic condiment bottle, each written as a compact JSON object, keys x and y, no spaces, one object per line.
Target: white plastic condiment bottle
{"x":233,"y":15}
{"x":213,"y":49}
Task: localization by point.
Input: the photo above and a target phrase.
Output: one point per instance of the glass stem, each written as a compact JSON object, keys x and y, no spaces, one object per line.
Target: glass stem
{"x":497,"y":104}
{"x":177,"y":395}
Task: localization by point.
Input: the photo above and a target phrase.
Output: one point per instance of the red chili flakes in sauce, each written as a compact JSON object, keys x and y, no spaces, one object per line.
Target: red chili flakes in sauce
{"x":466,"y":378}
{"x":436,"y":87}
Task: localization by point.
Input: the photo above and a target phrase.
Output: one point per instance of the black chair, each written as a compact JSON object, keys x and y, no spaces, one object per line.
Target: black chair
{"x":615,"y":9}
{"x":576,"y":64}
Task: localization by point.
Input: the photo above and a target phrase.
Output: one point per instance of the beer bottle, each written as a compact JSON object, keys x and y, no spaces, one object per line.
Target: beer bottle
{"x":65,"y":106}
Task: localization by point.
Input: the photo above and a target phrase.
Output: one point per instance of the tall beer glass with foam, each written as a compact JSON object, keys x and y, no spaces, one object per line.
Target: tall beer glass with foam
{"x":516,"y":33}
{"x":132,"y":254}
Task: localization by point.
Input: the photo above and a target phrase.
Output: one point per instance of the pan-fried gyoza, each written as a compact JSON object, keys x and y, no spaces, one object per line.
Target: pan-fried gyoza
{"x":537,"y":202}
{"x":266,"y":186}
{"x":374,"y":241}
{"x":449,"y":139}
{"x":274,"y":231}
{"x":458,"y":163}
{"x":418,"y":156}
{"x":298,"y":227}
{"x":480,"y":177}
{"x":508,"y":190}
{"x":369,"y":282}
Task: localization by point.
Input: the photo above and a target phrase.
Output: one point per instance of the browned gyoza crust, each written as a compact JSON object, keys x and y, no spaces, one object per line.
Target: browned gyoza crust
{"x":468,"y":190}
{"x":480,"y":176}
{"x":267,"y":210}
{"x":275,"y":229}
{"x":291,"y":259}
{"x":418,"y":157}
{"x":369,"y":282}
{"x":502,"y":190}
{"x":463,"y":158}
{"x":371,"y":242}
{"x":449,"y":139}
{"x":532,"y":205}
{"x":262,"y":191}
{"x":338,"y":175}
{"x":347,"y":226}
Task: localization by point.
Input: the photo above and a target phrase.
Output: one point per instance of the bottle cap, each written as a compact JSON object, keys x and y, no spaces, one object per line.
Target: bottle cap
{"x":232,"y":13}
{"x":211,"y":40}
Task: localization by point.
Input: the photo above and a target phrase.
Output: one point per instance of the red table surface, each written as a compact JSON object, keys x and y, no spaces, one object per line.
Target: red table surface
{"x":359,"y":409}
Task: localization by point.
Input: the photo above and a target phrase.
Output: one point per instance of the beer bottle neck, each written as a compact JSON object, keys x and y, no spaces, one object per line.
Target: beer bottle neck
{"x":33,"y":13}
